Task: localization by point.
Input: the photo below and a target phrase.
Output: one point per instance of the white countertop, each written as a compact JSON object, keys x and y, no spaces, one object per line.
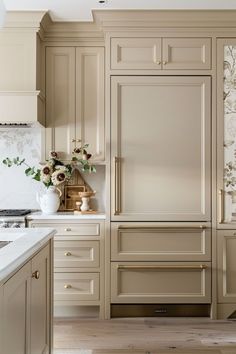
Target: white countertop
{"x":25,"y":243}
{"x":65,"y":215}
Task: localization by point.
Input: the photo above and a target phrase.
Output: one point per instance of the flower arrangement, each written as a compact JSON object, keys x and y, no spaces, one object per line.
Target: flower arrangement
{"x":55,"y":172}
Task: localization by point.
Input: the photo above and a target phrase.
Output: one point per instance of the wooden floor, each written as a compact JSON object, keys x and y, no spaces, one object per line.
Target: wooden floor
{"x":145,"y":336}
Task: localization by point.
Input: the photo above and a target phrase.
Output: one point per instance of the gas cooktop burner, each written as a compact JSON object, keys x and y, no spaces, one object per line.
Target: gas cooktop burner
{"x":14,"y":212}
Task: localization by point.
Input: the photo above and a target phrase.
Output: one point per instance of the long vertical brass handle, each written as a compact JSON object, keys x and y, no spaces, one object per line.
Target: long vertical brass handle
{"x":117,"y":186}
{"x":221,"y":206}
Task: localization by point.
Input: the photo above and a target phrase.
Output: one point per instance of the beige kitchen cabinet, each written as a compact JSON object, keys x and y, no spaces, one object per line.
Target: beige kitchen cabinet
{"x":160,"y":282}
{"x":16,"y":312}
{"x":140,"y":53}
{"x":26,"y":308}
{"x":75,"y":100}
{"x":226,"y":249}
{"x":151,"y":241}
{"x":160,"y":169}
{"x":40,"y":305}
{"x":79,"y":274}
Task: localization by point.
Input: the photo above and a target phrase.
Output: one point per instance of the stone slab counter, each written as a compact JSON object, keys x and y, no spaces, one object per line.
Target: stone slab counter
{"x":18,"y":245}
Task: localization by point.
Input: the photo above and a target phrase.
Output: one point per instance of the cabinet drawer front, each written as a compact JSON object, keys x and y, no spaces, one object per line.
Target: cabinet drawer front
{"x":161,"y":282}
{"x":72,"y":229}
{"x":186,"y":53}
{"x":135,"y":53}
{"x":76,"y":286}
{"x":156,"y":243}
{"x":76,"y":254}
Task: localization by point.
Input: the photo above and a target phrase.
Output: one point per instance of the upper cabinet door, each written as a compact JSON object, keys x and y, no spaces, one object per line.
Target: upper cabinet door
{"x":161,"y":148}
{"x":226,"y":133}
{"x":160,"y":53}
{"x":75,"y":100}
{"x":90,"y":99}
{"x":60,"y":101}
{"x":186,"y":53}
{"x":136,"y":53}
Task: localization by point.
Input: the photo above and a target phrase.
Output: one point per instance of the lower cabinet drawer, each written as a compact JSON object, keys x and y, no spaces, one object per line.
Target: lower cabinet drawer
{"x":169,"y":282}
{"x":76,"y":286}
{"x":76,"y":254}
{"x":152,"y":242}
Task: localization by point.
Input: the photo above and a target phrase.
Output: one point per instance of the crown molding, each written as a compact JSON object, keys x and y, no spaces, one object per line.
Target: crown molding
{"x":25,"y":19}
{"x":112,"y":20}
{"x":73,"y":31}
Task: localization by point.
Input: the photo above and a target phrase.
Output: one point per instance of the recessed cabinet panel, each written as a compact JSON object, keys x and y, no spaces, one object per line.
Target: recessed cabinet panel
{"x":136,"y":53}
{"x":76,"y":286}
{"x":40,"y":303}
{"x":146,"y":242}
{"x":226,"y":245}
{"x":161,"y":148}
{"x":60,"y":101}
{"x":90,"y":99}
{"x":160,"y":53}
{"x":160,"y":282}
{"x":76,"y":254}
{"x":16,"y":312}
{"x":186,"y":53}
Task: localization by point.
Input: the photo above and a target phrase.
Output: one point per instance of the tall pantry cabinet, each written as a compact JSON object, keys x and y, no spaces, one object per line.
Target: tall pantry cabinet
{"x":161,"y":121}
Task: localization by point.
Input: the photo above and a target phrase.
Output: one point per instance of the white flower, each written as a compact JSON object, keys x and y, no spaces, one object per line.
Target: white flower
{"x":46,"y":172}
{"x":60,"y":175}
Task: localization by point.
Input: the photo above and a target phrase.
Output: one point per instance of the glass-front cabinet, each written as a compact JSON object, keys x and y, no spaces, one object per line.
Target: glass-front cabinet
{"x":226,"y":133}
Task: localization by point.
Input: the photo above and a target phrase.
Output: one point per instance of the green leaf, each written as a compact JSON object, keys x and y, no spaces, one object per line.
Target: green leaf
{"x":37,"y":176}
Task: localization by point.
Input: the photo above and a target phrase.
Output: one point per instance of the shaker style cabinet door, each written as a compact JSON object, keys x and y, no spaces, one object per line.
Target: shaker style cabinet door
{"x":40,"y":303}
{"x":60,"y":101}
{"x":226,"y":250}
{"x":75,"y":100}
{"x":161,"y":148}
{"x":16,"y":312}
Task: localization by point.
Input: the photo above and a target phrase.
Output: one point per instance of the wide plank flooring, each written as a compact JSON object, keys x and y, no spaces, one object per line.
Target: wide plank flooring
{"x":145,"y":336}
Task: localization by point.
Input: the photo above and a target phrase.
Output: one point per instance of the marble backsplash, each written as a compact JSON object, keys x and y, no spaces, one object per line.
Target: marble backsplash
{"x":18,"y":191}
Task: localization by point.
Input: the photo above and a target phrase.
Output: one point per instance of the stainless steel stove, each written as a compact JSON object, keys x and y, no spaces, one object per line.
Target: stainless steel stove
{"x":13,"y":218}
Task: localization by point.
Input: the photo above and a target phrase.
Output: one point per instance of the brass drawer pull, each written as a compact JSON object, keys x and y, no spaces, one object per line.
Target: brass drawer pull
{"x":36,"y":274}
{"x":67,"y":286}
{"x":117,"y":186}
{"x":67,"y":254}
{"x":123,"y":227}
{"x":73,"y":140}
{"x":68,"y":229}
{"x":164,"y":62}
{"x":133,"y":267}
{"x":221,"y":206}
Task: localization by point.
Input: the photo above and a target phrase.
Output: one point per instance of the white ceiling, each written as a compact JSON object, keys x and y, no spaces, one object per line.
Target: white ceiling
{"x":76,"y":10}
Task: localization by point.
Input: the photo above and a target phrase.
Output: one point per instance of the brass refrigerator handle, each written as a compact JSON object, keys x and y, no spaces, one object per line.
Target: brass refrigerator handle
{"x":117,"y":186}
{"x":221,"y":206}
{"x":133,"y":267}
{"x":123,"y":227}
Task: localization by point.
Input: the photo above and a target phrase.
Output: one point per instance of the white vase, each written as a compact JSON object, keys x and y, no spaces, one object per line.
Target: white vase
{"x":85,"y":204}
{"x":49,"y":201}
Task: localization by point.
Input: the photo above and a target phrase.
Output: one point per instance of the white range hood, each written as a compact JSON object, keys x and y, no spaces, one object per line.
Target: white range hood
{"x":22,"y":55}
{"x":21,"y":108}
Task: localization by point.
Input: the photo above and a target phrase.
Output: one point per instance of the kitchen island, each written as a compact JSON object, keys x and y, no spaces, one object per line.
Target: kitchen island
{"x":26,"y":278}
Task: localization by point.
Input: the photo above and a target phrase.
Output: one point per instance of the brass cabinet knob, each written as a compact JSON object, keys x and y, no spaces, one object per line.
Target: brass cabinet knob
{"x":36,"y":274}
{"x":158,"y":62}
{"x":73,"y":140}
{"x":164,"y":62}
{"x":68,"y":229}
{"x":67,"y":286}
{"x":78,"y":140}
{"x":67,"y":254}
